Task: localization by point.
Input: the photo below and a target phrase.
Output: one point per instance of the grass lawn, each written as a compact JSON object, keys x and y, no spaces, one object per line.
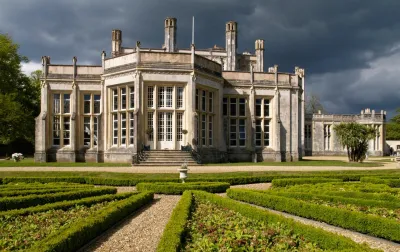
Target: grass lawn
{"x":305,"y":162}
{"x":29,"y":162}
{"x":114,"y":175}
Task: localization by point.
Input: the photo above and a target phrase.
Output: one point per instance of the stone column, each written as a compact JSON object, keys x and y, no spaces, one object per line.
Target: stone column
{"x":138,"y":139}
{"x":74,"y":99}
{"x":252,"y":117}
{"x":277,"y":118}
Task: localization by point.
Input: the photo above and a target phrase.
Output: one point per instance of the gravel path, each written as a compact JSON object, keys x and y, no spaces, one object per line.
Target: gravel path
{"x":139,"y":232}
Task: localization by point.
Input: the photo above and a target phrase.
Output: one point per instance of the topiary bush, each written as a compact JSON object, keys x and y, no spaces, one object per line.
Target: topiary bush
{"x":179,"y":188}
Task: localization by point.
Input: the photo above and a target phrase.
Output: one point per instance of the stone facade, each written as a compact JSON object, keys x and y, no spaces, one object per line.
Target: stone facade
{"x":320,"y":138}
{"x":219,"y":102}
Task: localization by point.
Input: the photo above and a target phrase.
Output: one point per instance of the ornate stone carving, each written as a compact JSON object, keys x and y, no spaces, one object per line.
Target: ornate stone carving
{"x":299,"y":72}
{"x":193,"y":76}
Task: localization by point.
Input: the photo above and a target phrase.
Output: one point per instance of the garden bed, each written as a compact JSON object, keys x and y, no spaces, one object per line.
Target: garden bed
{"x":203,"y":221}
{"x":373,"y":217}
{"x":62,"y":221}
{"x":179,"y":188}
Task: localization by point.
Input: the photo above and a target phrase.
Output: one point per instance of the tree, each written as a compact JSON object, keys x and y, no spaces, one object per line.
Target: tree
{"x":354,"y":137}
{"x":392,"y":131}
{"x":19,"y":95}
{"x":313,"y":104}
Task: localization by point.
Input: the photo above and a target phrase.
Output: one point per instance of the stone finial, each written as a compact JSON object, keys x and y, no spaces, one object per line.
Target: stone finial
{"x":259,"y":44}
{"x":231,"y":26}
{"x":271,"y":69}
{"x":299,"y":71}
{"x":103,"y":54}
{"x":74,"y":60}
{"x":138,"y":44}
{"x":319,"y":112}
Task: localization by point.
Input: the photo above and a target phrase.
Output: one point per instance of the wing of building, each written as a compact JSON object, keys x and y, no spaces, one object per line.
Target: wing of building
{"x":215,"y":102}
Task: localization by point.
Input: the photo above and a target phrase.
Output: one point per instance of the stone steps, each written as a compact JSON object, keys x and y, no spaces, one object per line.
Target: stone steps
{"x":167,"y":158}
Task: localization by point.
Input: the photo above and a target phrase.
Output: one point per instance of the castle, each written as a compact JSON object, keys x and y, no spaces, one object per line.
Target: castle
{"x":215,"y":102}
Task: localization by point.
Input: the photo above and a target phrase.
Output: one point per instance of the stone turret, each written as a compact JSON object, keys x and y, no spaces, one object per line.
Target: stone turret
{"x":259,"y":45}
{"x":116,"y":43}
{"x":170,"y":34}
{"x":231,"y":45}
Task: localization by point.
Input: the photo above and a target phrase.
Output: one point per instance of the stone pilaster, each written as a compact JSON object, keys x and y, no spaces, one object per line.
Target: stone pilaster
{"x":42,"y":121}
{"x":252,"y":117}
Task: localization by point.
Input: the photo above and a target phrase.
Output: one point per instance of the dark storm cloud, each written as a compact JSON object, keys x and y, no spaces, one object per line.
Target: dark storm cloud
{"x":337,"y":42}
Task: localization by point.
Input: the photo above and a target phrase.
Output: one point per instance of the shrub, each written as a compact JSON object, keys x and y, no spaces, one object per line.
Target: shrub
{"x":179,"y":188}
{"x":174,"y":233}
{"x":378,"y":180}
{"x":8,"y":203}
{"x":79,"y":180}
{"x":73,"y":237}
{"x":375,"y":226}
{"x":300,"y":181}
{"x":338,"y":199}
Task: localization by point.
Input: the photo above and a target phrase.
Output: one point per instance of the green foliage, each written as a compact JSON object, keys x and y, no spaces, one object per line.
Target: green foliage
{"x":80,"y":180}
{"x":300,"y":181}
{"x":323,"y":239}
{"x":13,"y":192}
{"x":360,"y":222}
{"x":19,"y":95}
{"x":392,"y":131}
{"x":73,"y":237}
{"x":175,"y":230}
{"x":7,"y":203}
{"x":354,"y":137}
{"x":67,"y":204}
{"x":389,"y":182}
{"x":22,"y":231}
{"x":179,"y":188}
{"x":213,"y":228}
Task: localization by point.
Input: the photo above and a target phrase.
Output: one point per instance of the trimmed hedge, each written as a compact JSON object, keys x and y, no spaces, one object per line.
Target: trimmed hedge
{"x":73,"y":237}
{"x":174,"y":233}
{"x":179,"y":188}
{"x":384,"y":196}
{"x":8,"y":203}
{"x":13,"y":192}
{"x":172,"y":239}
{"x":300,"y":181}
{"x":79,"y":180}
{"x":67,"y":204}
{"x":337,"y":199}
{"x":377,"y":180}
{"x":363,"y":223}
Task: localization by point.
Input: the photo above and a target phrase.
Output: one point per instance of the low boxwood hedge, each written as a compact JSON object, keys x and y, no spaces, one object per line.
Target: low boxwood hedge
{"x":17,"y":192}
{"x":80,"y":180}
{"x":73,"y":237}
{"x":363,"y":223}
{"x":300,"y":181}
{"x":337,"y":199}
{"x":378,"y":180}
{"x":179,"y":188}
{"x":174,"y":233}
{"x":67,"y":204}
{"x":8,"y":203}
{"x":173,"y":236}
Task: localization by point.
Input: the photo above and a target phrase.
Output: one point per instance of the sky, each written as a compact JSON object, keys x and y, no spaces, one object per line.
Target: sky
{"x":350,"y":49}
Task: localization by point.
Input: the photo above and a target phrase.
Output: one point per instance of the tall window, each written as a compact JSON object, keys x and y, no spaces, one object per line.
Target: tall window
{"x":225,"y":106}
{"x":204,"y":124}
{"x":150,"y":96}
{"x":327,"y":137}
{"x":150,"y":125}
{"x":307,"y":136}
{"x":263,"y":120}
{"x":91,"y":110}
{"x":179,"y":117}
{"x":236,"y":109}
{"x":165,"y":97}
{"x":61,"y":119}
{"x":132,"y":97}
{"x":210,"y":130}
{"x":122,"y":116}
{"x":179,"y":97}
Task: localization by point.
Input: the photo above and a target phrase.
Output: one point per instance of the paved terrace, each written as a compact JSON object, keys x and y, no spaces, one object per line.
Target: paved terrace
{"x":216,"y":168}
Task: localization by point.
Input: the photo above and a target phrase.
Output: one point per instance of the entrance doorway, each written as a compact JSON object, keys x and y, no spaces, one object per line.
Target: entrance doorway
{"x":164,"y":131}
